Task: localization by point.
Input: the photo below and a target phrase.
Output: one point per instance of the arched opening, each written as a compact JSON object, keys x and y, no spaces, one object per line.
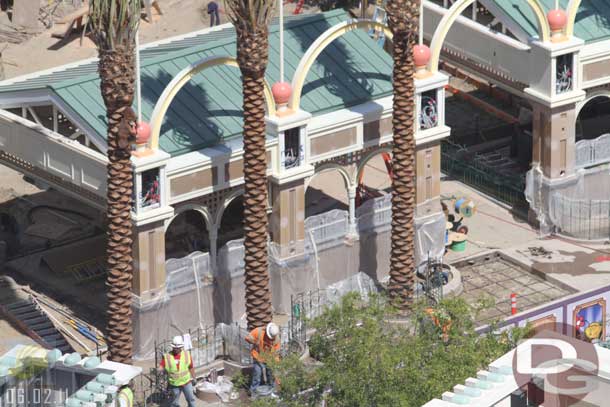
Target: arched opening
{"x":232,"y":222}
{"x":374,"y":177}
{"x":187,"y":233}
{"x":594,"y":118}
{"x":327,"y":190}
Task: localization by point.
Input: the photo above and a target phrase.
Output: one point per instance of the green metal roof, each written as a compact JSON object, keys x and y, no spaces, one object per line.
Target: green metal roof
{"x":592,"y":20}
{"x":352,"y":70}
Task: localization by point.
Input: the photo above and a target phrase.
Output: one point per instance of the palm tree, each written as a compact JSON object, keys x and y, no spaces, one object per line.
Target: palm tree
{"x":251,"y":20}
{"x":115,"y":25}
{"x":403,"y":21}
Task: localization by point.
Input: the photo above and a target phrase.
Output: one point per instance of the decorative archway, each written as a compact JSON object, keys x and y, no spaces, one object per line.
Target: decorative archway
{"x":187,"y":207}
{"x":181,"y":79}
{"x":221,"y":209}
{"x":440,"y":34}
{"x":188,"y":231}
{"x":368,"y":157}
{"x":572,"y":10}
{"x":319,"y":45}
{"x":592,"y":115}
{"x":436,"y":45}
{"x":327,"y":167}
{"x":319,"y":198}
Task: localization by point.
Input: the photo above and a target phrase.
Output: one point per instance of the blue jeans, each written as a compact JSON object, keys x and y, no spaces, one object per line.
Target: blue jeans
{"x":257,"y":374}
{"x":187,"y":389}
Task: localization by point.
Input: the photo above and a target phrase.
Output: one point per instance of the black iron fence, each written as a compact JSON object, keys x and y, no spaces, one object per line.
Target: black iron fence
{"x":507,"y":188}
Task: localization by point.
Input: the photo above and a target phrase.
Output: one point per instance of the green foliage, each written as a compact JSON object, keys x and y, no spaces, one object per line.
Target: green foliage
{"x":115,"y":22}
{"x":368,"y":356}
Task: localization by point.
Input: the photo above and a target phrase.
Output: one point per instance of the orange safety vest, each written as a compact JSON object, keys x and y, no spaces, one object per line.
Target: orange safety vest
{"x":258,"y":335}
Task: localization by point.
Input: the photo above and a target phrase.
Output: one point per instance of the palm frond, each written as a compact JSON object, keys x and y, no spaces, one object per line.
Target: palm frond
{"x":115,"y":22}
{"x":250,"y":15}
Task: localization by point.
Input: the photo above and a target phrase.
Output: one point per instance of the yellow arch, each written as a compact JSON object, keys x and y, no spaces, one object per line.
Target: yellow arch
{"x":172,"y":89}
{"x":456,"y":10}
{"x":571,"y":10}
{"x":319,"y":45}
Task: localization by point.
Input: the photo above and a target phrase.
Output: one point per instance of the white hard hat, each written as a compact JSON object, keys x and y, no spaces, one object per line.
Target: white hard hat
{"x":272,"y":330}
{"x":178,"y":342}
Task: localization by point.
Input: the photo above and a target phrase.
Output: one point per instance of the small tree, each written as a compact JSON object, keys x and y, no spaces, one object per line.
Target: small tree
{"x":368,"y":359}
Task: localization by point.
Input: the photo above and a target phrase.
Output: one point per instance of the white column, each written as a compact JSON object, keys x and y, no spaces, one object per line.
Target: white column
{"x":351,"y":196}
{"x":213,"y":235}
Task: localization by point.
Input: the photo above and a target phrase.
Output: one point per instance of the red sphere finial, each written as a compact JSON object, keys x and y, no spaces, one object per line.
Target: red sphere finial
{"x":143,"y":133}
{"x":281,"y":92}
{"x":421,"y":55}
{"x":557,"y":19}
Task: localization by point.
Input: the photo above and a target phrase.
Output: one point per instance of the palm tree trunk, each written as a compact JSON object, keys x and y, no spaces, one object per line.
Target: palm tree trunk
{"x":117,"y":78}
{"x":403,"y":21}
{"x":252,"y":56}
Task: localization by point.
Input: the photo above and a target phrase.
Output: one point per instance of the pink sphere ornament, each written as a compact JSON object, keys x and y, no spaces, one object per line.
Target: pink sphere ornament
{"x":557,"y":19}
{"x":421,"y":55}
{"x":281,"y":92}
{"x":143,"y":133}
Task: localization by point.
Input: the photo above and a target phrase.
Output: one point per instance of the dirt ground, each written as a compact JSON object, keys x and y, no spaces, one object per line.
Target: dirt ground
{"x":44,"y":52}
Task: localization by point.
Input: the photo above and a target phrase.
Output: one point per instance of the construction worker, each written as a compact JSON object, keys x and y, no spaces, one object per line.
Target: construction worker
{"x":180,"y":372}
{"x":264,"y":341}
{"x":125,"y":395}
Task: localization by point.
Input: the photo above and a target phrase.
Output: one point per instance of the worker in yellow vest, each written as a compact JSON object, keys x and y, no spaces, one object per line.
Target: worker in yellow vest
{"x":264,"y":341}
{"x":125,"y":396}
{"x":180,"y":372}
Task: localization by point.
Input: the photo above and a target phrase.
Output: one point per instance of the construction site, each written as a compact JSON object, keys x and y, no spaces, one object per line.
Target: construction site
{"x":512,"y":198}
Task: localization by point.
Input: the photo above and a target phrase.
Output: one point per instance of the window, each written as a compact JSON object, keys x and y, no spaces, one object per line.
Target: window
{"x":428,"y":110}
{"x":291,"y":156}
{"x":564,"y":75}
{"x":150,"y":195}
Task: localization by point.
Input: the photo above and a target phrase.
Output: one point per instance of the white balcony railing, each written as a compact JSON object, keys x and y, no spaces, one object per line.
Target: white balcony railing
{"x":491,"y":50}
{"x":32,"y":146}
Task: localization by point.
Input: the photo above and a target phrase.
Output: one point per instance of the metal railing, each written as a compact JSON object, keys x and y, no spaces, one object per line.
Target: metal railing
{"x":593,"y":152}
{"x":580,"y":218}
{"x":506,"y":188}
{"x":328,"y":226}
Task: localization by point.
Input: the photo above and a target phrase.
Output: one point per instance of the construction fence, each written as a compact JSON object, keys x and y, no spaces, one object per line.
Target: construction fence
{"x":202,"y":291}
{"x":576,"y":207}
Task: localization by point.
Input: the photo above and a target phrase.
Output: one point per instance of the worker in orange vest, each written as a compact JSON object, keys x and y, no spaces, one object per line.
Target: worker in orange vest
{"x":264,"y":341}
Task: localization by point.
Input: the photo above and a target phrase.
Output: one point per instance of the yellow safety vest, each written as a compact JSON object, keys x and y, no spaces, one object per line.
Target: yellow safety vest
{"x":178,"y":376}
{"x":127,"y":395}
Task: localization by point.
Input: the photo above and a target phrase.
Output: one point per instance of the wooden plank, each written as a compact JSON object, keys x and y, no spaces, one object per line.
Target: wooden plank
{"x":25,"y":13}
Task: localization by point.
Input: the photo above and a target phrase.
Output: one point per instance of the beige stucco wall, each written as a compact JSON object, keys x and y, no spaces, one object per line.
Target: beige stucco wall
{"x":554,"y":138}
{"x":288,"y":216}
{"x":428,"y":178}
{"x":377,"y":129}
{"x":149,"y":258}
{"x":596,"y":70}
{"x":334,"y":141}
{"x":192,"y":182}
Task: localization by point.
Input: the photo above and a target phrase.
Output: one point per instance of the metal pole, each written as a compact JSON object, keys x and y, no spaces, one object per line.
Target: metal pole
{"x":281,"y":40}
{"x":421,"y":22}
{"x":138,"y":81}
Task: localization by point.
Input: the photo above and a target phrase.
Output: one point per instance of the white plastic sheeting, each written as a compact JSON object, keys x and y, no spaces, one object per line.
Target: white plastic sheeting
{"x":576,"y":206}
{"x":375,"y":214}
{"x":203,"y":292}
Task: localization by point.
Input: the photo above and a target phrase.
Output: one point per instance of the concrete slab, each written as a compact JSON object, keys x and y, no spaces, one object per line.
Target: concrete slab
{"x":582,"y":267}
